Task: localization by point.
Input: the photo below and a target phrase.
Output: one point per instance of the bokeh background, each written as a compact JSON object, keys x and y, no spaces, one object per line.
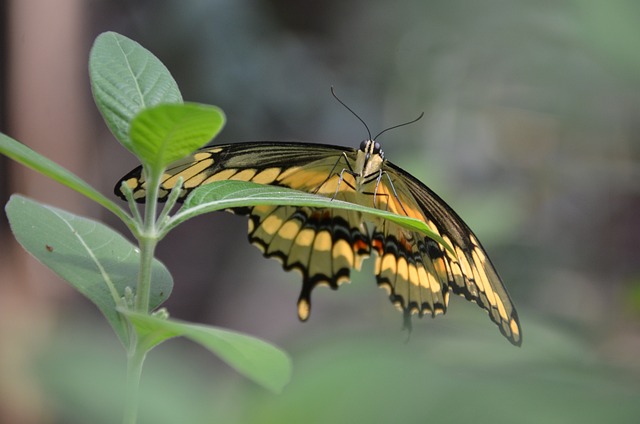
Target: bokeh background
{"x":531,"y":132}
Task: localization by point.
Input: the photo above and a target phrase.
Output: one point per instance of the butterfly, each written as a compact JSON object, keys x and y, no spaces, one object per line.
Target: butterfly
{"x":325,"y":244}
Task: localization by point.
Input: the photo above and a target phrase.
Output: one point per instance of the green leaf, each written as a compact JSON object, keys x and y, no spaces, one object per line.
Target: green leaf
{"x":231,"y":194}
{"x":256,"y":359}
{"x":165,"y":133}
{"x":93,"y":258}
{"x":27,"y":157}
{"x":126,"y":78}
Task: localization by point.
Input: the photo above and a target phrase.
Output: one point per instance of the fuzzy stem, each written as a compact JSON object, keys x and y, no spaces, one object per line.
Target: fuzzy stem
{"x":147,"y":240}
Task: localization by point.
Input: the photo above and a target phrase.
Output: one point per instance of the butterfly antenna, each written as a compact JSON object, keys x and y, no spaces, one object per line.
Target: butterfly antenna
{"x":351,"y":110}
{"x":400,"y":125}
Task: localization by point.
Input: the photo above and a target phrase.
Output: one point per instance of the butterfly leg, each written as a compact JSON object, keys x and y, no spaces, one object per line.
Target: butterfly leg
{"x":393,"y":189}
{"x":333,"y":172}
{"x":377,"y":176}
{"x":340,"y":180}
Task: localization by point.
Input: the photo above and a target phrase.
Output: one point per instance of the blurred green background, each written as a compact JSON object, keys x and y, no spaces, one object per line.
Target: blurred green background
{"x":531,"y":132}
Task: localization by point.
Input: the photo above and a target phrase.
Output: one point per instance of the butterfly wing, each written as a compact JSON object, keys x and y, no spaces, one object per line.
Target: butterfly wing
{"x":323,"y":244}
{"x":419,"y":272}
{"x":296,"y":165}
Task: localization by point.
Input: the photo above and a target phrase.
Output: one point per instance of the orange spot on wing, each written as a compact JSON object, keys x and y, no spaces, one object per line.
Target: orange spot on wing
{"x":321,"y":214}
{"x":405,"y":244}
{"x":377,"y":245}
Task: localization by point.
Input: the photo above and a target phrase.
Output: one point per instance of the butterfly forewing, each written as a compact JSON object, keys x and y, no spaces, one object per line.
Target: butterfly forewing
{"x":324,"y":244}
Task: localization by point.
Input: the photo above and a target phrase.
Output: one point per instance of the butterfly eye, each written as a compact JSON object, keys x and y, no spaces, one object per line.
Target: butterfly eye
{"x":377,"y":148}
{"x":363,"y":145}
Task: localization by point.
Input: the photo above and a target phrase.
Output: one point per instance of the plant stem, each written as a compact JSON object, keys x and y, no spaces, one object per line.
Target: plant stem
{"x":135,"y":359}
{"x":148,"y":241}
{"x":143,"y":292}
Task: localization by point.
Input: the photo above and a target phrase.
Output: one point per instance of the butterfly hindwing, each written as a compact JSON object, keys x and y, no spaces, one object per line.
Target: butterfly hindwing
{"x":407,"y":268}
{"x":320,"y":243}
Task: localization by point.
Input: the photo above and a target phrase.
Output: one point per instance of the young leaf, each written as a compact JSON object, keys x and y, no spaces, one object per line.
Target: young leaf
{"x":27,"y":157}
{"x":126,"y":78}
{"x":165,"y":133}
{"x":254,"y":358}
{"x":93,"y":258}
{"x":230,"y":194}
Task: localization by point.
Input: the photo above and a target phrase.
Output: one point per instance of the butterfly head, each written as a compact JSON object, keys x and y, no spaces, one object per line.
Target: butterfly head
{"x":370,"y":158}
{"x":371,"y":148}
